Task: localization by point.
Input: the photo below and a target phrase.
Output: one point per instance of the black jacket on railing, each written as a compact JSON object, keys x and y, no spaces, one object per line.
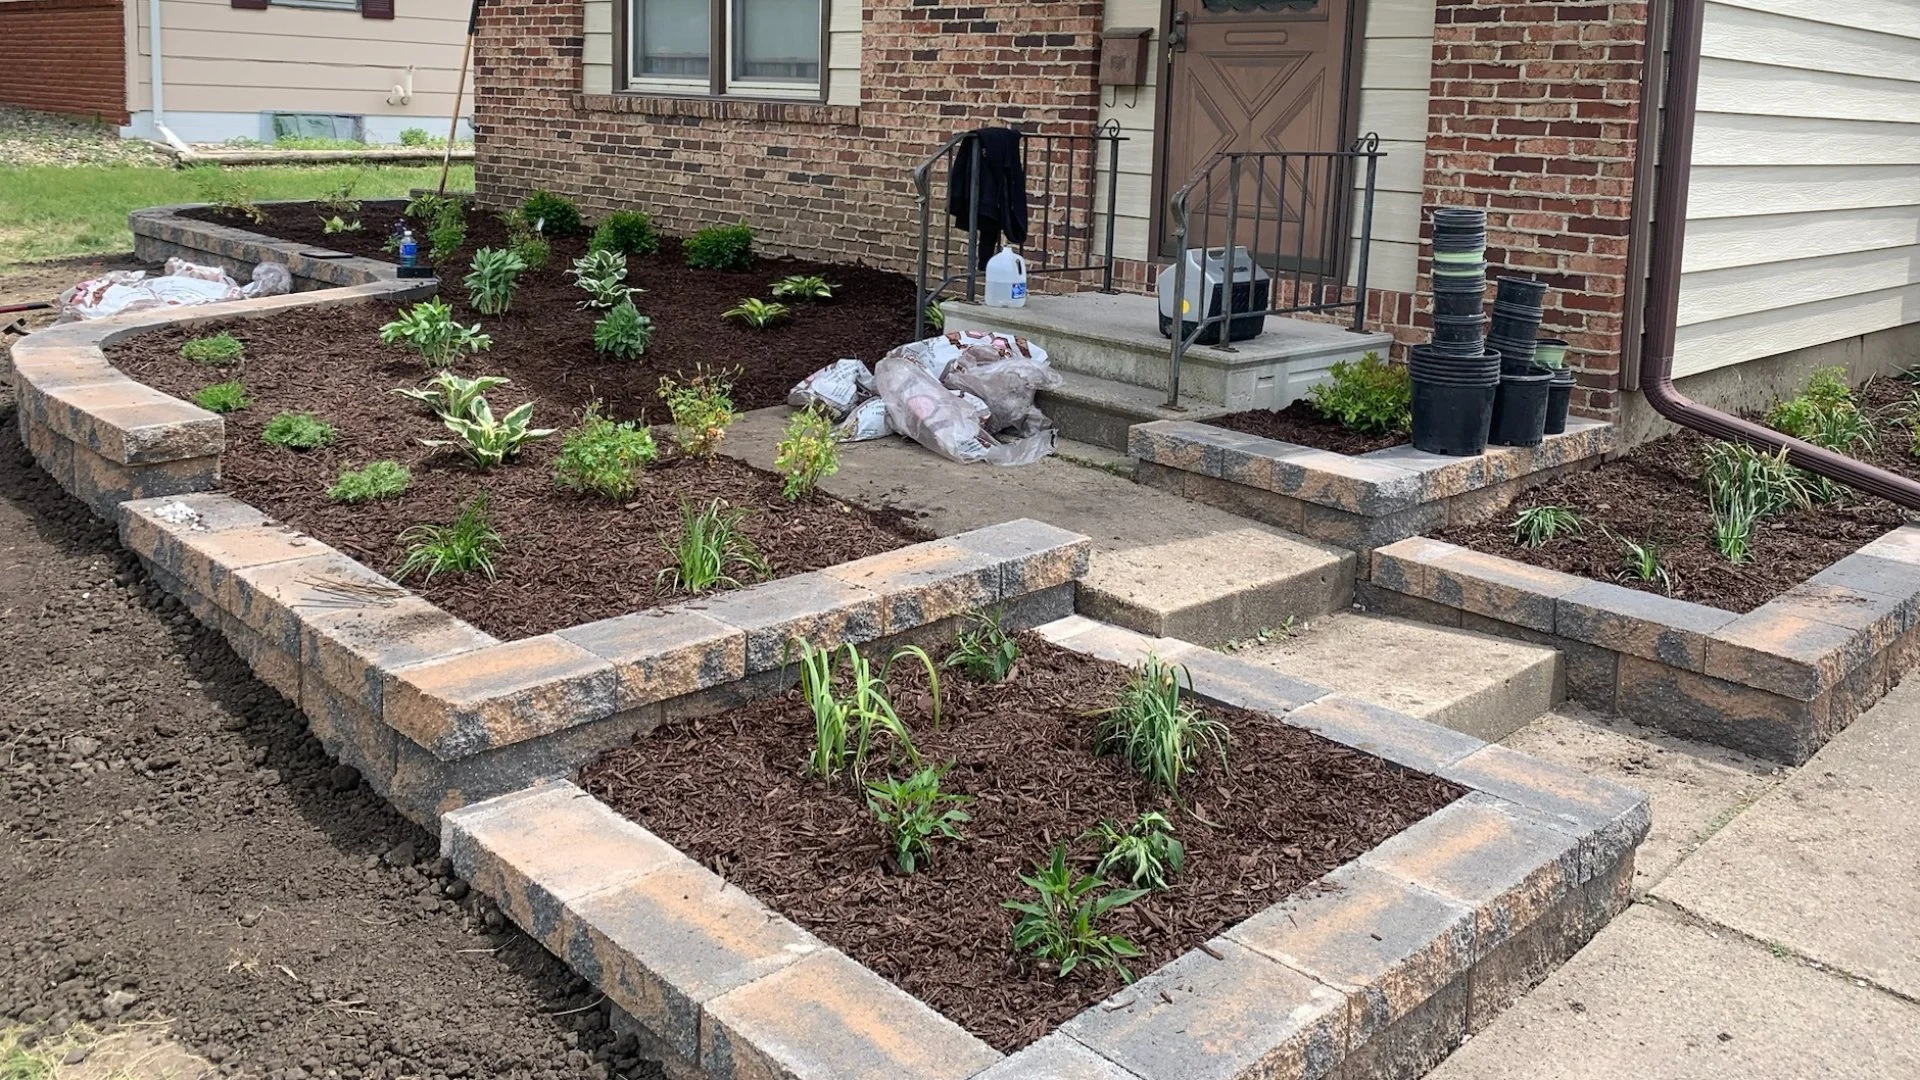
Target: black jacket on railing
{"x":1003,"y":188}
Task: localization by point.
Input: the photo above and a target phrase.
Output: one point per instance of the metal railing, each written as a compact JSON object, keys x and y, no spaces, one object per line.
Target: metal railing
{"x":1293,"y":225}
{"x":1069,"y":219}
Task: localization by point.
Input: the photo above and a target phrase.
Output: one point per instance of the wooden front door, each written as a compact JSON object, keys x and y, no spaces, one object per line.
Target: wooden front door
{"x":1256,"y":75}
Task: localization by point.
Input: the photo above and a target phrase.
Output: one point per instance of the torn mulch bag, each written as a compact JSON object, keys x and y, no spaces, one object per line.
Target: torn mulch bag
{"x":182,"y":284}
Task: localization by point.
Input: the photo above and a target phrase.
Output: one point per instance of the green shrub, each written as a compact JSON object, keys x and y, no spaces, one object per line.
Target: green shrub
{"x":622,"y":333}
{"x":492,"y":280}
{"x":702,"y":410}
{"x":379,"y":480}
{"x":415,"y":136}
{"x":214,"y":350}
{"x":603,"y":457}
{"x":227,"y":191}
{"x":551,"y":214}
{"x":629,"y":232}
{"x":809,"y":453}
{"x":530,"y":248}
{"x":444,"y":241}
{"x":445,"y":219}
{"x":428,"y":329}
{"x":222,"y":397}
{"x":1371,"y":397}
{"x":1826,"y":415}
{"x":468,"y":544}
{"x":297,"y":431}
{"x":721,"y":247}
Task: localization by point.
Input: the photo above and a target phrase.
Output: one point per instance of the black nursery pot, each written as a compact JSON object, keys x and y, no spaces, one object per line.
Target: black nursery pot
{"x":1469,"y":329}
{"x":1521,"y":292}
{"x":1520,"y":410}
{"x":1559,"y":394}
{"x":1452,"y":418}
{"x":1459,"y":304}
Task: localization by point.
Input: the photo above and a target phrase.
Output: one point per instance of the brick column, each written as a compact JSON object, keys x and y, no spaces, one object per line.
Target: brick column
{"x":1534,"y":113}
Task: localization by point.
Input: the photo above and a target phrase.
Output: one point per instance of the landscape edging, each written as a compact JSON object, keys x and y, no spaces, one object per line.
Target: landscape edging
{"x":1776,"y":682}
{"x":161,"y":233}
{"x":1457,"y":915}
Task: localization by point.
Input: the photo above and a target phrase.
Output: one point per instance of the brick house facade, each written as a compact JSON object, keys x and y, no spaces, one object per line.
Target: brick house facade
{"x":65,"y":56}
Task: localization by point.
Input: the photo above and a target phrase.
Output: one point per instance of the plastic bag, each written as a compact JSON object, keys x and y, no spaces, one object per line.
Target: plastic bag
{"x":923,"y":410}
{"x":937,"y":354}
{"x":1006,"y":383}
{"x":868,"y":420}
{"x":269,"y":279}
{"x":837,"y":388}
{"x":184,"y":284}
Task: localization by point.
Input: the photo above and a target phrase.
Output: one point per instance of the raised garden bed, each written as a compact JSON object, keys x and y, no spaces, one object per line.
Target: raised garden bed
{"x":1288,"y":807}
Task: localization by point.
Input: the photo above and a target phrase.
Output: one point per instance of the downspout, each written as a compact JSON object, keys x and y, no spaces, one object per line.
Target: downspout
{"x":156,"y":84}
{"x":1663,"y":290}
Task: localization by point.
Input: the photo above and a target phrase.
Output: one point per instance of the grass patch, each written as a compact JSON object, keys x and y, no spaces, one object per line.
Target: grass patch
{"x":222,"y":397}
{"x":50,"y":212}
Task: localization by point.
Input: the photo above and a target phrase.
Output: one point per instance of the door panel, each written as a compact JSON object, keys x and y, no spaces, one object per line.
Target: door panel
{"x":1256,"y":75}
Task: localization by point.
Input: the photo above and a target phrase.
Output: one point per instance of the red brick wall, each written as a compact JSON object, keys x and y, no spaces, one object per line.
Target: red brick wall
{"x":828,"y":181}
{"x":1534,"y":115}
{"x":65,"y":56}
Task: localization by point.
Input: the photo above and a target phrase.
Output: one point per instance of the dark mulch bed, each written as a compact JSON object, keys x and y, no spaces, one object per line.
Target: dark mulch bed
{"x":1655,"y":493}
{"x":1289,"y":807}
{"x":569,"y":558}
{"x":1301,"y":423}
{"x":547,"y":336}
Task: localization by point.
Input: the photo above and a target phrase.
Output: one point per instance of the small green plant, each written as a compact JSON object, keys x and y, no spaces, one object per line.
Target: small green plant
{"x":1145,"y":853}
{"x":415,"y":136}
{"x":428,"y":329}
{"x":1640,"y":561}
{"x":914,"y":812}
{"x":1744,"y":485}
{"x":337,"y":224}
{"x":603,"y":457}
{"x":803,"y":287}
{"x":339,"y":201}
{"x":488,"y":442}
{"x":492,"y":280}
{"x":447,"y":394}
{"x":469,"y":544}
{"x":602,"y":275}
{"x":297,"y":431}
{"x":551,"y":214}
{"x":1371,"y":396}
{"x":431,"y":208}
{"x":531,"y":247}
{"x":445,"y":238}
{"x":710,"y":549}
{"x":808,"y":454}
{"x":629,"y":232}
{"x":227,"y":191}
{"x":622,"y":333}
{"x":379,"y":480}
{"x":1536,"y":525}
{"x":1290,"y":627}
{"x":222,"y":397}
{"x":721,"y":247}
{"x":1062,"y":925}
{"x":936,"y":317}
{"x":214,"y":350}
{"x":1153,"y":726}
{"x":983,"y":651}
{"x":757,"y":313}
{"x":848,"y":711}
{"x":702,"y":410}
{"x":1825,"y":414}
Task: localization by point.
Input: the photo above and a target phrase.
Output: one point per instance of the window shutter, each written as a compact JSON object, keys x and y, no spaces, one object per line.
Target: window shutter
{"x":251,"y":5}
{"x":376,"y":9}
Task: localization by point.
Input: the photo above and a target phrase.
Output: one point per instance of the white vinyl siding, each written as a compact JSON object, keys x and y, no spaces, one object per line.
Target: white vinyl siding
{"x":843,"y":50}
{"x":1803,"y":223}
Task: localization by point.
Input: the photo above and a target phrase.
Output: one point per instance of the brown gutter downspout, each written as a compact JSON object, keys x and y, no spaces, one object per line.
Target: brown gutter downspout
{"x":1663,"y":290}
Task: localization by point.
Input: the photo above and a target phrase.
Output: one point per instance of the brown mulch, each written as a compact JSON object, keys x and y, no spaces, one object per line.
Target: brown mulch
{"x":1301,"y":423}
{"x":569,"y":558}
{"x":1289,"y":807}
{"x":1654,"y":493}
{"x":871,"y":312}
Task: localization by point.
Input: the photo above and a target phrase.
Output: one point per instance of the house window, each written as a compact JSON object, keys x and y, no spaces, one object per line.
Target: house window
{"x":331,"y":5}
{"x":751,"y":48}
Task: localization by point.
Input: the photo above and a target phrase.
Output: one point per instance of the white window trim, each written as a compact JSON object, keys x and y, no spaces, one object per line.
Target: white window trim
{"x":732,"y":88}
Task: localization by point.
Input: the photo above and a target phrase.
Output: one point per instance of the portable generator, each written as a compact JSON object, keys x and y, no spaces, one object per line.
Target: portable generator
{"x":1207,"y":293}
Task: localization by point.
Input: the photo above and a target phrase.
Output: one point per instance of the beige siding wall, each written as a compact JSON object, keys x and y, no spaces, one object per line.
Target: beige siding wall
{"x":221,"y":60}
{"x":843,"y":50}
{"x":1803,"y":222}
{"x":1396,"y":58}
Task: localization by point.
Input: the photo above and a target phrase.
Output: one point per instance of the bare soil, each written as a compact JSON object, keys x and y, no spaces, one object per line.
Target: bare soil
{"x":1302,"y":424}
{"x":1286,"y":808}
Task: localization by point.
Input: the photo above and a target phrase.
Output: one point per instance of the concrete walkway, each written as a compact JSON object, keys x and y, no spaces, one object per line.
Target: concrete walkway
{"x":1784,"y":946}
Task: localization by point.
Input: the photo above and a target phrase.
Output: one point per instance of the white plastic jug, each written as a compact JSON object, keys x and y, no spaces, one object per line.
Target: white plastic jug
{"x":1007,"y":279}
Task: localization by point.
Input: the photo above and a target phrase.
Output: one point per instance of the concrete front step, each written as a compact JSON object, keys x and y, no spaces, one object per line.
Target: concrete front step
{"x":1161,"y":565}
{"x":1487,"y":687}
{"x":1090,"y":409}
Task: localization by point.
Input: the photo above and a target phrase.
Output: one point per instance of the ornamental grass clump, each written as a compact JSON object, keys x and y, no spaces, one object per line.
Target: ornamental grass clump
{"x":378,"y":480}
{"x":428,"y":329}
{"x":1536,"y":525}
{"x":914,"y":812}
{"x":1743,"y":486}
{"x":702,"y":410}
{"x":710,"y":549}
{"x":1371,"y":396}
{"x":297,"y":431}
{"x":214,"y":350}
{"x":1158,"y":731}
{"x":852,"y":709}
{"x":222,"y":397}
{"x":1061,"y":926}
{"x":469,"y":544}
{"x":1144,"y":852}
{"x":603,"y":458}
{"x":494,"y":277}
{"x":984,"y":651}
{"x":807,"y":454}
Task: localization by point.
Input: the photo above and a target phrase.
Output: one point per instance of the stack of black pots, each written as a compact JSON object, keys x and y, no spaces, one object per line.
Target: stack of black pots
{"x":1520,"y":409}
{"x":1456,"y":377}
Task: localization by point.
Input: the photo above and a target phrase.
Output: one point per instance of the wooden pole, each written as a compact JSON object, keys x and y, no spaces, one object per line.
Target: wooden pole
{"x":459,"y":91}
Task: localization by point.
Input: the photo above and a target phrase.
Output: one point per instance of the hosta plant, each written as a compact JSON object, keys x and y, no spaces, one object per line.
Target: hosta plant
{"x":489,"y":442}
{"x":1062,"y":924}
{"x":297,"y":431}
{"x":757,"y":313}
{"x":710,"y":549}
{"x":214,"y":350}
{"x":803,"y":287}
{"x":702,"y":410}
{"x":602,"y":275}
{"x":1160,"y":733}
{"x":622,"y":333}
{"x":1145,"y":852}
{"x":807,"y":454}
{"x":602,"y":457}
{"x":914,"y":812}
{"x":984,"y":652}
{"x":428,"y":329}
{"x":378,"y":480}
{"x":491,"y":282}
{"x":852,"y":707}
{"x":222,"y":397}
{"x":447,"y":394}
{"x":338,"y":224}
{"x":469,"y":544}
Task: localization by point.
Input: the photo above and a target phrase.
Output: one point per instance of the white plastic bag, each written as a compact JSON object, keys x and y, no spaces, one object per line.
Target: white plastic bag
{"x":269,"y":279}
{"x":940,"y":420}
{"x":868,"y":420}
{"x":184,"y":284}
{"x":836,"y":388}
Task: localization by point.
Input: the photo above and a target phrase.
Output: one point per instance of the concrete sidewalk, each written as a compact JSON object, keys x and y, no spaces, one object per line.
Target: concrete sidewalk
{"x":1785,"y":947}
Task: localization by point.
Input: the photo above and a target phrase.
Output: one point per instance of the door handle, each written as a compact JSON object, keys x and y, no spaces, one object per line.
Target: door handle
{"x":1177,"y":37}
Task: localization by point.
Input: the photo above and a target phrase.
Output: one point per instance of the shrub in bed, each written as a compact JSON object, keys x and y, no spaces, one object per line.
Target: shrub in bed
{"x":702,"y":410}
{"x":1145,"y":852}
{"x":629,"y":232}
{"x":1061,"y":926}
{"x":222,"y":397}
{"x":1154,"y":726}
{"x":602,"y":457}
{"x":297,"y":431}
{"x":214,"y":350}
{"x":710,"y":549}
{"x":379,"y":480}
{"x":1826,"y":415}
{"x":469,"y":544}
{"x":1370,"y":396}
{"x":622,"y":333}
{"x":914,"y":812}
{"x":415,"y":136}
{"x":428,"y":329}
{"x":807,"y":454}
{"x":228,"y":191}
{"x":551,"y":214}
{"x":530,"y":247}
{"x":721,"y":247}
{"x":491,"y":281}
{"x":445,"y":220}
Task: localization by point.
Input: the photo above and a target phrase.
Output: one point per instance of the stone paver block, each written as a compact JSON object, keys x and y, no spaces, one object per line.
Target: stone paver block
{"x":1499,"y":588}
{"x":52,"y":451}
{"x":1643,"y":624}
{"x":1176,"y":444}
{"x":349,"y":730}
{"x":775,"y":614}
{"x":1033,"y":555}
{"x":276,"y":599}
{"x":1402,"y":566}
{"x":270,"y":660}
{"x":498,"y":695}
{"x":148,"y":524}
{"x":538,"y":850}
{"x":1220,"y":1013}
{"x":1713,"y":710}
{"x":1869,"y":572}
{"x":158,"y":431}
{"x":1056,"y":1057}
{"x":924,"y":583}
{"x":352,"y":648}
{"x":103,"y":485}
{"x":80,"y":412}
{"x":1268,"y":507}
{"x":1485,"y":853}
{"x":660,"y":655}
{"x":1773,"y":649}
{"x":827,"y":1018}
{"x":1611,"y":820}
{"x":664,"y":944}
{"x":1388,"y":944}
{"x":1364,"y":532}
{"x":1383,"y":732}
{"x":1113,"y":643}
{"x":1902,"y":545}
{"x":1878,"y":617}
{"x":205,"y":560}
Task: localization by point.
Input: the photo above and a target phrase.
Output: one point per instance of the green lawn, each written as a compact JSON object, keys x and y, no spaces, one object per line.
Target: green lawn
{"x":50,"y":212}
